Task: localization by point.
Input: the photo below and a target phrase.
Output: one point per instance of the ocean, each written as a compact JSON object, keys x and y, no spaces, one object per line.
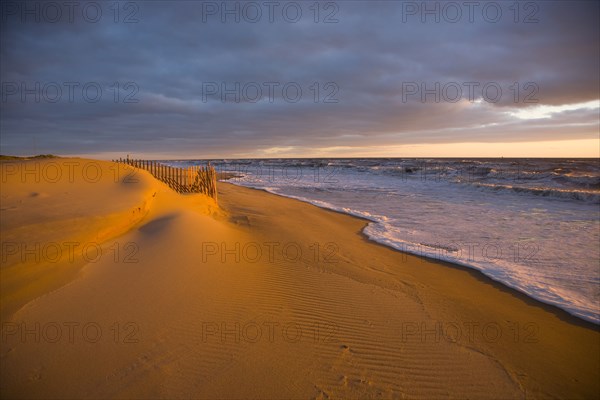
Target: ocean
{"x":531,"y":224}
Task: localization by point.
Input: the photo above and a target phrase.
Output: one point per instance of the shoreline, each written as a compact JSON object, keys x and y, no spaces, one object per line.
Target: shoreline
{"x":479,"y":283}
{"x":388,"y":323}
{"x":480,"y":276}
{"x":558,"y":309}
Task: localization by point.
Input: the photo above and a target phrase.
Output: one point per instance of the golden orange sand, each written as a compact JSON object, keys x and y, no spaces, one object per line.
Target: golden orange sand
{"x":259,"y":297}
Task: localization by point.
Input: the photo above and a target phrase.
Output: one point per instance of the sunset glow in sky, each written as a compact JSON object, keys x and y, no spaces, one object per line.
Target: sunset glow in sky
{"x":186,"y":79}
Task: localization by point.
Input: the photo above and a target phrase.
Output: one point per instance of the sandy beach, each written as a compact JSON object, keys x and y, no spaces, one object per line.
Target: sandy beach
{"x":114,"y":286}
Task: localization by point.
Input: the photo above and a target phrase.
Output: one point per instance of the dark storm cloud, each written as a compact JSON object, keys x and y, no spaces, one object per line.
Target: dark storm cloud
{"x":175,"y":51}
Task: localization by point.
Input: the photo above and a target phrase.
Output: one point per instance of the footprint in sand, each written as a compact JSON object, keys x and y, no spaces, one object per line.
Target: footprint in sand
{"x":41,"y":195}
{"x":321,"y":394}
{"x":240,"y":220}
{"x":36,"y":374}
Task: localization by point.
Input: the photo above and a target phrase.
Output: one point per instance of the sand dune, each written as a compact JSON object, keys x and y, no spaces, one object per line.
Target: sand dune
{"x":55,"y":214}
{"x":262,"y":297}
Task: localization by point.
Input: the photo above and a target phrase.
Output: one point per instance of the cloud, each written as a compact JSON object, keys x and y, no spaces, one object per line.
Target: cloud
{"x":543,"y":112}
{"x":181,"y":79}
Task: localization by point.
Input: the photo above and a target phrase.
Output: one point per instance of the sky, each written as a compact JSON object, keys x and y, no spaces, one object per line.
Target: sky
{"x":192,"y":79}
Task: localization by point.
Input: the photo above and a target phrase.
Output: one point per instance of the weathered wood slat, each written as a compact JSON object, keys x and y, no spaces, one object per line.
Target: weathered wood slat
{"x":195,"y":179}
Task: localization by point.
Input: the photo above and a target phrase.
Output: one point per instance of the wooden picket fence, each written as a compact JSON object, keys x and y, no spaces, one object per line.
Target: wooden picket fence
{"x":194,"y":179}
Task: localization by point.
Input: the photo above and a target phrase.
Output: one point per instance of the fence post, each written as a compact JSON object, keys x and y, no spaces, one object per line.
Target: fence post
{"x":190,"y":179}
